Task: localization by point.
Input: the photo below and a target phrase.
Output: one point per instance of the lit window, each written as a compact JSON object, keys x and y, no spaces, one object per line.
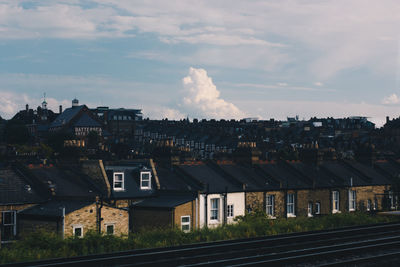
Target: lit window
{"x":352,"y":200}
{"x":185,"y":223}
{"x":290,"y":205}
{"x":317,"y":208}
{"x":118,"y":184}
{"x":145,"y":182}
{"x":214,"y":209}
{"x":269,"y":205}
{"x":78,"y":231}
{"x":310,"y":209}
{"x":335,"y":201}
{"x":230,"y":210}
{"x":8,"y":226}
{"x":110,"y":229}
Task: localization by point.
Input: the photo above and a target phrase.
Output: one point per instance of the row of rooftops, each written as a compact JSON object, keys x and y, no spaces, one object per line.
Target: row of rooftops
{"x":36,"y":183}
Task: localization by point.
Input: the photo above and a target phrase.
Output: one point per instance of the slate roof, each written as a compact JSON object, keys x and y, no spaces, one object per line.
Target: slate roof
{"x":14,"y":189}
{"x":280,"y":172}
{"x":87,"y":121}
{"x":170,"y":180}
{"x":64,"y":182}
{"x":54,"y":208}
{"x":66,"y":116}
{"x":165,"y":201}
{"x":131,"y":181}
{"x":210,"y":179}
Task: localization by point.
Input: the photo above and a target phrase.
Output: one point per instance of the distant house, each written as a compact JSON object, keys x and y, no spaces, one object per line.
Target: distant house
{"x":74,"y":218}
{"x":78,"y":121}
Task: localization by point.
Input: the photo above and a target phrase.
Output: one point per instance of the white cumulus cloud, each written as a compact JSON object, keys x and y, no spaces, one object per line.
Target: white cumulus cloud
{"x":203,"y":99}
{"x":391,"y":100}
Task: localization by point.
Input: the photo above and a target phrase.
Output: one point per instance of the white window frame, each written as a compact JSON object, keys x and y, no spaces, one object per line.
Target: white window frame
{"x":335,"y":201}
{"x":13,"y":224}
{"x":183,"y":224}
{"x":317,"y":208}
{"x":214,"y":209}
{"x":113,"y":229}
{"x":369,"y":204}
{"x":122,"y":181}
{"x":391,"y":197}
{"x":145,"y":187}
{"x":290,"y":205}
{"x":77,"y":227}
{"x":352,"y":200}
{"x":310,"y":209}
{"x":375,"y":204}
{"x":270,"y":205}
{"x":230,"y":213}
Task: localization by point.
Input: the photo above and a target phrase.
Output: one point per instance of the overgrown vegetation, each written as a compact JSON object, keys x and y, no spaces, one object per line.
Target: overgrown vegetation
{"x":42,"y":245}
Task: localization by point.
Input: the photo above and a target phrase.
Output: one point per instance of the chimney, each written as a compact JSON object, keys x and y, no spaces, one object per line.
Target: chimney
{"x":60,"y":109}
{"x":27,"y":107}
{"x":387,"y":119}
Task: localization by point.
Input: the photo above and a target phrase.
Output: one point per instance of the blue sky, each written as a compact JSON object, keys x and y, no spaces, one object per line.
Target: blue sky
{"x":204,"y":59}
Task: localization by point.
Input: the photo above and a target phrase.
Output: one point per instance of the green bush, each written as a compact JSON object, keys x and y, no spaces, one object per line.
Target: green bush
{"x":43,"y":245}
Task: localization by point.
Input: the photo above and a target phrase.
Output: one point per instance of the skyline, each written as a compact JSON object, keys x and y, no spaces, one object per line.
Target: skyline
{"x":203,"y":59}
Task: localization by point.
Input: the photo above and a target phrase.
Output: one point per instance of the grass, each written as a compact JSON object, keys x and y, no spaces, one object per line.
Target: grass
{"x":44,"y":245}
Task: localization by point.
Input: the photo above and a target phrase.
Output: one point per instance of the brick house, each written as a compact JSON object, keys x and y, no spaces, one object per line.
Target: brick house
{"x":74,"y":218}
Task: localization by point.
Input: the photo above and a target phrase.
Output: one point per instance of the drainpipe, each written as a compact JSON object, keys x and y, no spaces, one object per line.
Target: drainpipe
{"x":98,"y":211}
{"x":63,"y":222}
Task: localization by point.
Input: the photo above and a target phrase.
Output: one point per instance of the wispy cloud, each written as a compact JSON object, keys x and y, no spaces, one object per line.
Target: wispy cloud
{"x":391,"y":100}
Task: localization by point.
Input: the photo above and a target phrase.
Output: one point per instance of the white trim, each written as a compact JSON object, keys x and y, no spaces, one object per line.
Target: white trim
{"x":216,"y":209}
{"x":352,"y":200}
{"x":335,"y":201}
{"x":270,"y":205}
{"x":292,"y":205}
{"x":110,"y":224}
{"x":185,"y":223}
{"x":310,"y":209}
{"x":230,"y":211}
{"x":77,"y":227}
{"x":122,"y":181}
{"x":317,"y":207}
{"x":146,"y":180}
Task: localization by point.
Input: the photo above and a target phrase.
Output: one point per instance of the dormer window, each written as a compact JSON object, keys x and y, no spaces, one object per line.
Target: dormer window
{"x":118,"y":183}
{"x":145,"y":180}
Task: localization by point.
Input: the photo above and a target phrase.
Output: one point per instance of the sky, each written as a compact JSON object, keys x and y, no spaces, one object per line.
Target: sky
{"x":204,"y":59}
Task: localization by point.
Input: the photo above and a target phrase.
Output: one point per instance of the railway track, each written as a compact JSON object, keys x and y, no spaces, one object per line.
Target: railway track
{"x":345,"y":246}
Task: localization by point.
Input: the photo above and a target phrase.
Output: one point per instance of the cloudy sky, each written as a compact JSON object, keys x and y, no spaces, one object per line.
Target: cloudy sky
{"x":204,"y":59}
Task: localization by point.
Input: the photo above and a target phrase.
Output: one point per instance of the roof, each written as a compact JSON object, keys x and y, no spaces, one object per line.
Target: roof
{"x":55,"y":208}
{"x":66,"y":116}
{"x":86,"y":121}
{"x":165,"y":201}
{"x":131,"y":181}
{"x":14,"y":189}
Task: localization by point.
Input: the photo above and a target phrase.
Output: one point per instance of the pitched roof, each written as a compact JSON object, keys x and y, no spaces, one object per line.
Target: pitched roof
{"x":14,"y":189}
{"x":86,"y":121}
{"x":66,"y":116}
{"x":165,"y":201}
{"x":55,"y":208}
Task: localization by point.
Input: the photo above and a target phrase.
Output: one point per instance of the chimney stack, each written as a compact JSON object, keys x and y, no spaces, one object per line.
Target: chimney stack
{"x":27,"y":107}
{"x":60,"y":109}
{"x":387,"y":119}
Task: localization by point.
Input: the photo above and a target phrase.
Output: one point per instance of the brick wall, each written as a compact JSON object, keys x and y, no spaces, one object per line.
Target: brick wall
{"x":151,"y":218}
{"x":117,"y":217}
{"x":184,"y":210}
{"x":12,"y":208}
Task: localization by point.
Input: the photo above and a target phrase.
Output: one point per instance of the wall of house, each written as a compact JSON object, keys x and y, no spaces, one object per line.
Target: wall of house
{"x":117,"y":217}
{"x":256,"y":201}
{"x":12,"y":208}
{"x":26,"y":226}
{"x":87,"y":219}
{"x":314,"y":195}
{"x":143,"y":218}
{"x":238,"y":202}
{"x":187,"y":209}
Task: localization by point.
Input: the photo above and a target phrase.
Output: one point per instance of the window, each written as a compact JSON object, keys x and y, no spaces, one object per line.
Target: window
{"x":214,"y":209}
{"x":78,"y":231}
{"x":391,"y":200}
{"x":118,"y":181}
{"x":145,"y":180}
{"x":375,"y":204}
{"x":369,"y":204}
{"x":110,"y":229}
{"x":230,"y":210}
{"x":317,"y":208}
{"x":352,"y":200}
{"x":335,"y":201}
{"x":309,"y":209}
{"x":269,"y":205}
{"x":9,"y":225}
{"x":185,"y":223}
{"x":290,"y":205}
